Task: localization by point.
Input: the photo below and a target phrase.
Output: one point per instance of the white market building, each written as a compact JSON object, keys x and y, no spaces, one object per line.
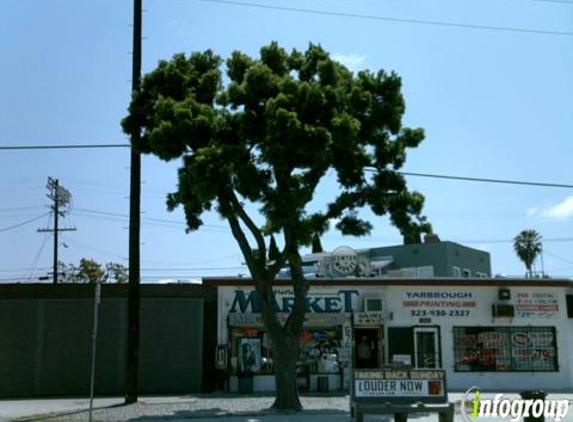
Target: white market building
{"x":498,"y":334}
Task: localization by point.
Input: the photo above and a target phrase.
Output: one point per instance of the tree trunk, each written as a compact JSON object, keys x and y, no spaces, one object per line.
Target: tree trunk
{"x":285,"y":353}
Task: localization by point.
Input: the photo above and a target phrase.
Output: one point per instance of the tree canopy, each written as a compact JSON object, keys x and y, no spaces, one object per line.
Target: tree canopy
{"x":271,"y":130}
{"x":266,"y":132}
{"x":89,"y":271}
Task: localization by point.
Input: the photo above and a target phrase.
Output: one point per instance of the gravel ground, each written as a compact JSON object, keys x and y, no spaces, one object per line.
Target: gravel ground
{"x":221,"y":408}
{"x":208,"y":407}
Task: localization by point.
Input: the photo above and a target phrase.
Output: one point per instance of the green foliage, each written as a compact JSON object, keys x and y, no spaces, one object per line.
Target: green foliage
{"x":527,"y":245}
{"x":116,"y":272}
{"x":266,"y":135}
{"x":89,"y":271}
{"x":269,"y":133}
{"x":274,"y":253}
{"x":316,"y":245}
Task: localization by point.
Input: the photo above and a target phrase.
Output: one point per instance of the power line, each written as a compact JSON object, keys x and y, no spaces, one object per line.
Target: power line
{"x":389,"y":19}
{"x":484,"y":180}
{"x":19,"y":209}
{"x":554,"y":1}
{"x":558,"y":239}
{"x":15,"y":270}
{"x":148,"y":219}
{"x":545,"y":251}
{"x":93,"y":248}
{"x":33,"y":267}
{"x":63,"y":146}
{"x":5,"y":229}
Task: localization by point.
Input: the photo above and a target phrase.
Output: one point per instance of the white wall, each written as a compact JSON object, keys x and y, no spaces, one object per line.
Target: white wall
{"x":402,"y":312}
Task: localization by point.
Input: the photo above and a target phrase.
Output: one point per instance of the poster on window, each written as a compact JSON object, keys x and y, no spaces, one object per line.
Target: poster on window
{"x":505,"y":349}
{"x":537,"y":305}
{"x":249,"y":355}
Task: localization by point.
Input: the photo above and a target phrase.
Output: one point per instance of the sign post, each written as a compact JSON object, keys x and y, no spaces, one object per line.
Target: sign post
{"x":94,"y":346}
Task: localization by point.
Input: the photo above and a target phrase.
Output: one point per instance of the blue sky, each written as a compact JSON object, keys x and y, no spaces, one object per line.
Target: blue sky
{"x":494,"y":104}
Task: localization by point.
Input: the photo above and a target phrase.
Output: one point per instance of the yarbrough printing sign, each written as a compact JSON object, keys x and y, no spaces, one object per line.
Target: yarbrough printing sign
{"x":442,"y":303}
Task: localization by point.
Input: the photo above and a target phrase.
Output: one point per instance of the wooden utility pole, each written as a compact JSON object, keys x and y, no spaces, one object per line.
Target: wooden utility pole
{"x":134,"y":227}
{"x":61,"y":198}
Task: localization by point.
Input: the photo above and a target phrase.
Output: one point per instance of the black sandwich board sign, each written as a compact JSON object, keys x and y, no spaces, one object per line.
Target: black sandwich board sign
{"x":399,"y":385}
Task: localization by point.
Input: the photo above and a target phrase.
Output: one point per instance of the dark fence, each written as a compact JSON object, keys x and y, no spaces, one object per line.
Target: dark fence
{"x":46,"y":339}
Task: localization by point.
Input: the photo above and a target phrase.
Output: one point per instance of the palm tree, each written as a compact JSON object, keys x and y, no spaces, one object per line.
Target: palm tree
{"x":527,"y":246}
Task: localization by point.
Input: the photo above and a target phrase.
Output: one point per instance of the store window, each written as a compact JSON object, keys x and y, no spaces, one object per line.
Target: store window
{"x":505,"y":349}
{"x":250,"y":351}
{"x":426,"y":272}
{"x":320,"y":349}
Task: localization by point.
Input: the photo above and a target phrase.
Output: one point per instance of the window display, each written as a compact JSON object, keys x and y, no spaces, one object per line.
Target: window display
{"x":504,"y":349}
{"x":319,"y":352}
{"x":249,"y":355}
{"x":320,"y":349}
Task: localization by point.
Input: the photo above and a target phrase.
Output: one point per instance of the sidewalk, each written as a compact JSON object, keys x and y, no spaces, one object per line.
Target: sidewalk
{"x":220,"y":407}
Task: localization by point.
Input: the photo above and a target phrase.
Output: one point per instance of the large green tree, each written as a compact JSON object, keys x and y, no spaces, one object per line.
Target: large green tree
{"x":527,"y":245}
{"x":266,"y":134}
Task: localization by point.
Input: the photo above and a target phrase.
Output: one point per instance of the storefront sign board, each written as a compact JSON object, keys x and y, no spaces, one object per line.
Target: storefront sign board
{"x":397,"y":383}
{"x":368,"y":318}
{"x":439,"y":303}
{"x":536,"y":305}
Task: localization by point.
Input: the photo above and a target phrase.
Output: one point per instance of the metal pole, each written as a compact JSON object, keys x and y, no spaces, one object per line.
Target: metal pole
{"x":133,"y":299}
{"x":94,"y":345}
{"x":542,"y":265}
{"x":56,"y":214}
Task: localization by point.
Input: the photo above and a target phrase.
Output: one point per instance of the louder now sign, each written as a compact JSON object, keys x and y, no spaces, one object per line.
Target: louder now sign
{"x":385,"y":388}
{"x":399,"y":384}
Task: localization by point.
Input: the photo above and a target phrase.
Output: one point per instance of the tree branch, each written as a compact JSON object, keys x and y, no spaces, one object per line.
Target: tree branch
{"x":299,"y":282}
{"x":255,"y":231}
{"x":274,"y":269}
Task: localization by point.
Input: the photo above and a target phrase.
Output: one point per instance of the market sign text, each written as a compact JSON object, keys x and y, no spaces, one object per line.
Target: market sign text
{"x":340,"y":302}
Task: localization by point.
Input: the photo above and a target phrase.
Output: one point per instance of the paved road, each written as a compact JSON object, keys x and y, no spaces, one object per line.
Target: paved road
{"x":209,"y":408}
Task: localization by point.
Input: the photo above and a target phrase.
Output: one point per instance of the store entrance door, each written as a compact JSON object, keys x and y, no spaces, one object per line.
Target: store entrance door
{"x":427,"y":347}
{"x":368,"y":351}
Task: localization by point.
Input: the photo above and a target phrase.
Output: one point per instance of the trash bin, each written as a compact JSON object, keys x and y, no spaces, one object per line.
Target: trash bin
{"x":245,"y":383}
{"x":534,"y":395}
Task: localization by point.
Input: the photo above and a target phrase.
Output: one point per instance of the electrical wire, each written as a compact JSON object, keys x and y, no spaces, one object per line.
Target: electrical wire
{"x":552,"y":1}
{"x":15,"y":270}
{"x":19,"y":209}
{"x":63,"y":146}
{"x":33,"y":267}
{"x":387,"y":18}
{"x":146,"y":219}
{"x":483,"y":180}
{"x":5,"y":229}
{"x":93,"y":248}
{"x":545,"y":251}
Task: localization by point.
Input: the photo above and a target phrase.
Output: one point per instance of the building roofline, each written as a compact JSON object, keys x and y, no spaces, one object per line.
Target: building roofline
{"x":430,"y":282}
{"x":108,"y":291}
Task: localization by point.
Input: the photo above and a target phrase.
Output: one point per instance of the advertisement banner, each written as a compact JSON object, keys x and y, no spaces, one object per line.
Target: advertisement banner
{"x":399,"y":383}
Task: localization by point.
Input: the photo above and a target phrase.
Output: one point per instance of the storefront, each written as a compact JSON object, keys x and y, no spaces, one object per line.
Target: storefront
{"x":492,"y":333}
